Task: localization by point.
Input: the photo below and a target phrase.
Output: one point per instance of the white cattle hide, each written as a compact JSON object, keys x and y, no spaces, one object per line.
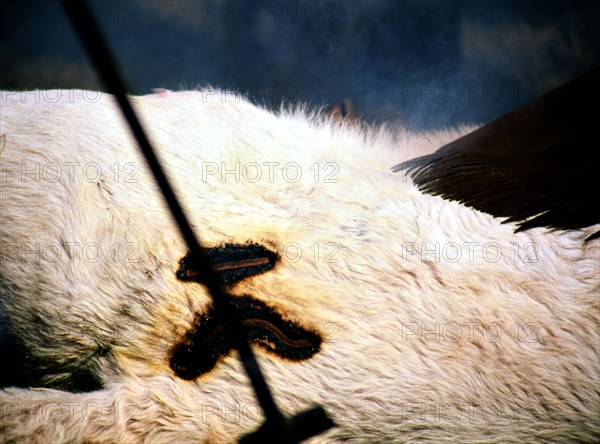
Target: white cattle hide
{"x":438,"y":322}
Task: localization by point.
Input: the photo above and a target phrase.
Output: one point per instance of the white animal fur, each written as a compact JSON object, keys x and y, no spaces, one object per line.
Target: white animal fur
{"x":418,"y":346}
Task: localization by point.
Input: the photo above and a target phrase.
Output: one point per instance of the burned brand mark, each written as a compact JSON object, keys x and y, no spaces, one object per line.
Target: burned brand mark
{"x":209,"y":340}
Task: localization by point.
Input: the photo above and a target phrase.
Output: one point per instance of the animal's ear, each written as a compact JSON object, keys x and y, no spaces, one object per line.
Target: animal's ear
{"x":345,"y":111}
{"x":536,"y":165}
{"x":231,"y":263}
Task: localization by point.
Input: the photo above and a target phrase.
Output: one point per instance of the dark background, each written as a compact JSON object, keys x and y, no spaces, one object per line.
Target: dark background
{"x":425,"y":64}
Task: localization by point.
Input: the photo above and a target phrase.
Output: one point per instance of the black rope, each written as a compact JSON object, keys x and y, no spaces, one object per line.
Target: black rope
{"x":100,"y":55}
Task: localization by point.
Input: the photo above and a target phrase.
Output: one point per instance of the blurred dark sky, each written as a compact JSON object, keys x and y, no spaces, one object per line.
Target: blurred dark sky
{"x":427,"y":64}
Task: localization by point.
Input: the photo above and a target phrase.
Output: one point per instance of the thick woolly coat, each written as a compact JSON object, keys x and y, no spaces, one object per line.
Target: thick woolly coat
{"x":438,"y":321}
